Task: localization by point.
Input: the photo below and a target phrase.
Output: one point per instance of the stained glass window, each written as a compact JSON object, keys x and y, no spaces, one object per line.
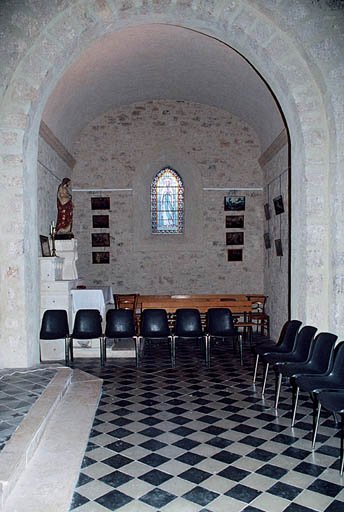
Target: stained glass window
{"x":167,"y":202}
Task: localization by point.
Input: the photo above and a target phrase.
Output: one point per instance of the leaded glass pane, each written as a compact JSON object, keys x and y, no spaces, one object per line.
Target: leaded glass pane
{"x":167,"y":202}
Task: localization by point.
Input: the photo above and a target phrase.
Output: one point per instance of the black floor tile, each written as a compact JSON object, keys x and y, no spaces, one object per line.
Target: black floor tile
{"x":182,"y":428}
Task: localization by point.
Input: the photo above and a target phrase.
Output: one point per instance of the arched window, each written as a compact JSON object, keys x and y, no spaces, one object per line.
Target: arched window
{"x":167,"y":202}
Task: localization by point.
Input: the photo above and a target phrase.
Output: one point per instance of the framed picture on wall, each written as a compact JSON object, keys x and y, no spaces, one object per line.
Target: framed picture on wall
{"x":100,"y":239}
{"x":278,"y":204}
{"x":234,"y":254}
{"x":235,"y":221}
{"x":45,"y":247}
{"x":100,"y":203}
{"x":267,"y":211}
{"x":100,"y":221}
{"x":100,"y":257}
{"x":235,"y":238}
{"x":267,"y":241}
{"x":234,"y":203}
{"x":278,"y":246}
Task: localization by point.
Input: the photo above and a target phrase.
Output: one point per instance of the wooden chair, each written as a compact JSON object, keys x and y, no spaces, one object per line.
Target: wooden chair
{"x":258,"y":317}
{"x":127,"y":301}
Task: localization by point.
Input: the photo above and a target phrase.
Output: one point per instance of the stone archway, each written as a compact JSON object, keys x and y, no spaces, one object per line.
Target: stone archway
{"x":248,"y":30}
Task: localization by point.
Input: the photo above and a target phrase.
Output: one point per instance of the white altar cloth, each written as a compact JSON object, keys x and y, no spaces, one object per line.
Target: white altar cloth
{"x":88,"y":299}
{"x":107,"y":291}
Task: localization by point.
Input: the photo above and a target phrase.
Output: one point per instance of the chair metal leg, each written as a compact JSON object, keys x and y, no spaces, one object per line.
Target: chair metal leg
{"x":137,"y":350}
{"x":278,"y":389}
{"x":240,"y":348}
{"x":173,"y":351}
{"x":71,"y":349}
{"x":296,"y":399}
{"x":265,"y":377}
{"x":342,"y":444}
{"x":315,"y":429}
{"x":102,"y":350}
{"x":67,"y":349}
{"x":255,"y":369}
{"x":207,"y":350}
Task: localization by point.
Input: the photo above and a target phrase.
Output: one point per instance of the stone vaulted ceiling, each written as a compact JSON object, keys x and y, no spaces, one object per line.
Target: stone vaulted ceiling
{"x":159,"y":61}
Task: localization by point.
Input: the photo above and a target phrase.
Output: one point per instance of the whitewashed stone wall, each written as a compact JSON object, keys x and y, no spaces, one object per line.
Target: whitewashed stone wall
{"x":297,"y":47}
{"x":276,"y":268}
{"x":210,"y":149}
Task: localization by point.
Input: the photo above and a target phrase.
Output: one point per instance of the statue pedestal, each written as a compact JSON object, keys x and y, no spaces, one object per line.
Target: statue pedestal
{"x":55,"y":294}
{"x":68,"y":250}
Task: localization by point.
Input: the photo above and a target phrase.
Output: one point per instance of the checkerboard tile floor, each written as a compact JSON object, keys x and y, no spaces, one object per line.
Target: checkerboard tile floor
{"x":197,"y":439}
{"x":19,"y":390}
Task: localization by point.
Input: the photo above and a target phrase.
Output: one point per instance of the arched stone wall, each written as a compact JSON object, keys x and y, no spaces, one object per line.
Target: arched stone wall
{"x":279,"y":39}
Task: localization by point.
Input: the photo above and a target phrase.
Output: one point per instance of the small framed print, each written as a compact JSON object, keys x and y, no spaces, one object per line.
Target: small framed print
{"x":235,"y":221}
{"x":100,"y":221}
{"x":234,"y":203}
{"x":278,"y":204}
{"x":267,"y":211}
{"x":278,"y":246}
{"x":267,"y":241}
{"x":100,"y":203}
{"x":100,"y":257}
{"x":235,"y":238}
{"x":234,"y":254}
{"x":100,"y":240}
{"x":45,"y":247}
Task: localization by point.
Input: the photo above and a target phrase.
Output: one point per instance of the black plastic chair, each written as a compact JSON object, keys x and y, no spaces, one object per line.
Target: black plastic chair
{"x":320,"y":360}
{"x":88,"y":325}
{"x":333,"y":401}
{"x":188,"y":325}
{"x":154,"y":325}
{"x":120,"y":323}
{"x":313,"y":384}
{"x":285,"y":343}
{"x":54,"y":327}
{"x":220,"y":325}
{"x":298,"y":354}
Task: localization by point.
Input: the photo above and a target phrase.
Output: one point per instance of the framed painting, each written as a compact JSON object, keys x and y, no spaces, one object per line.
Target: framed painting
{"x":100,"y":239}
{"x":278,"y":246}
{"x":45,"y":247}
{"x":267,"y":241}
{"x":100,"y":221}
{"x":267,"y":211}
{"x":100,"y":203}
{"x":278,"y":204}
{"x":235,"y":238}
{"x":234,"y":203}
{"x":235,"y":221}
{"x":234,"y":255}
{"x":100,"y":257}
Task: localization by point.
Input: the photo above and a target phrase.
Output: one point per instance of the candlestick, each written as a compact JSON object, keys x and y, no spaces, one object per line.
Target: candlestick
{"x":53,"y":233}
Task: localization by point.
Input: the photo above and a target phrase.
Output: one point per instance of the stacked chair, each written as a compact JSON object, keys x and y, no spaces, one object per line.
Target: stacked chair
{"x":54,"y":327}
{"x":313,"y":364}
{"x":120,"y":323}
{"x":88,"y":325}
{"x":298,"y":354}
{"x":285,"y":344}
{"x":154,"y":325}
{"x":188,"y":325}
{"x":333,"y":401}
{"x":319,"y":361}
{"x":220,"y":325}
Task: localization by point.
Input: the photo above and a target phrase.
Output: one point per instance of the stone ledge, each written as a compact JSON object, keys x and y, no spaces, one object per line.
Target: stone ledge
{"x":49,"y":479}
{"x":23,"y":443}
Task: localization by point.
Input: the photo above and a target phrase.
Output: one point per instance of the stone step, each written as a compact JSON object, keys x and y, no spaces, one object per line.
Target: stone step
{"x":39,"y":465}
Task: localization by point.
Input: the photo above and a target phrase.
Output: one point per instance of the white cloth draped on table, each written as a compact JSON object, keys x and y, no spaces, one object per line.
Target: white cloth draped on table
{"x":88,"y":299}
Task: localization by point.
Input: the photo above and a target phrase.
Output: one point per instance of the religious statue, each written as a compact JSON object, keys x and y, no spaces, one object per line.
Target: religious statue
{"x":64,"y":209}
